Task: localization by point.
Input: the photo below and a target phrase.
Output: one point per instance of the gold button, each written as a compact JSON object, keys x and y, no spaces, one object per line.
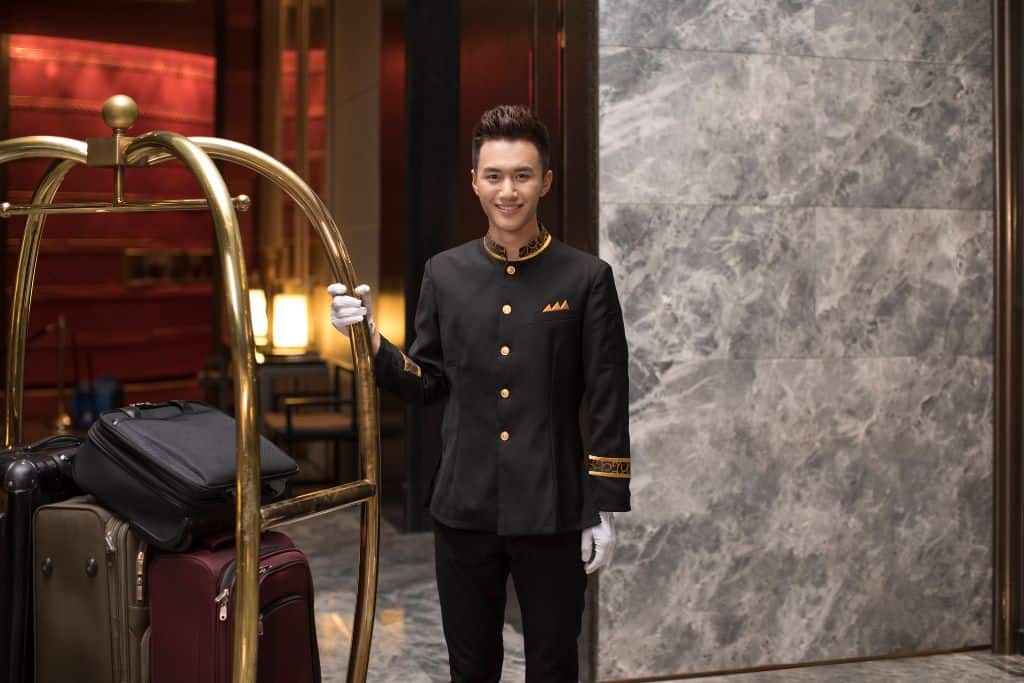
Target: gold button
{"x":504,"y":436}
{"x":510,"y":269}
{"x":505,"y":350}
{"x":506,"y":309}
{"x":504,"y":393}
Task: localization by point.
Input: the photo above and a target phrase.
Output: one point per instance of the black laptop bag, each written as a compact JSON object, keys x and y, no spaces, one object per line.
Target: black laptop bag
{"x":169,"y":469}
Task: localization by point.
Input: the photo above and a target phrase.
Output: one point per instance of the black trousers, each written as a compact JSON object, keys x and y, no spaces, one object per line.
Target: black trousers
{"x":547,"y":572}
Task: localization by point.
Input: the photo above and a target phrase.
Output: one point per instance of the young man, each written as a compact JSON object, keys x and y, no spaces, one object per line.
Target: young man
{"x":514,"y":331}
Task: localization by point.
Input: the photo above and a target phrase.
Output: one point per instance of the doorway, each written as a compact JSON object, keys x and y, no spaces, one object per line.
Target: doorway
{"x":467,"y":57}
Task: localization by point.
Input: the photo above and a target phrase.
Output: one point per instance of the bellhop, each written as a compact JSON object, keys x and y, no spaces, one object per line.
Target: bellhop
{"x":514,"y":346}
{"x":516,"y":332}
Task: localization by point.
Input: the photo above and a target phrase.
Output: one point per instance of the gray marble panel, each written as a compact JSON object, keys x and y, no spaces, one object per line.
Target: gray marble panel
{"x":798,"y":510}
{"x":903,"y":135}
{"x":948,"y":31}
{"x":706,"y":128}
{"x":777,"y":27}
{"x":901,"y":282}
{"x":713,"y":282}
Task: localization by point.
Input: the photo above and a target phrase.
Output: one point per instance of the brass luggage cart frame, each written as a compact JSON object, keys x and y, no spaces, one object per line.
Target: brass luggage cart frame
{"x":198,"y":155}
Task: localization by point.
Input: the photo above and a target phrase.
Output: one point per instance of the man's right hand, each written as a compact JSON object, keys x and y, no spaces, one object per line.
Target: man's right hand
{"x":348,"y":310}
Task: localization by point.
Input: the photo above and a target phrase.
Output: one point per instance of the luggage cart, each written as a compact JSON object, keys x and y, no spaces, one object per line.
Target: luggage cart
{"x":198,"y":154}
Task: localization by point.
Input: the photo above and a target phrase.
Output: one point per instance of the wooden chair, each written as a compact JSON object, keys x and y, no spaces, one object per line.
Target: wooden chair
{"x":310,"y":416}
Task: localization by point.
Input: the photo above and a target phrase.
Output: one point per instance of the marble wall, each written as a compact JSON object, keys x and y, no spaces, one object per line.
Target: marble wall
{"x":796,"y":197}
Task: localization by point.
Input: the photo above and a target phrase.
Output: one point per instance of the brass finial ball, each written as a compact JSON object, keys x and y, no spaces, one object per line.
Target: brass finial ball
{"x":120,"y":112}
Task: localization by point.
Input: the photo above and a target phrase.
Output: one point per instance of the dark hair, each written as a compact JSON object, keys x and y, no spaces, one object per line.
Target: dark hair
{"x":512,"y":122}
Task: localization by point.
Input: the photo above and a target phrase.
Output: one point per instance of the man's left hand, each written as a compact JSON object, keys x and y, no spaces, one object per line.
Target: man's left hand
{"x":598,"y":544}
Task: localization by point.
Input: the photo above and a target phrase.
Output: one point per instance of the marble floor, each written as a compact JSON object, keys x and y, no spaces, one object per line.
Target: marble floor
{"x":955,"y":668}
{"x":409,"y":646}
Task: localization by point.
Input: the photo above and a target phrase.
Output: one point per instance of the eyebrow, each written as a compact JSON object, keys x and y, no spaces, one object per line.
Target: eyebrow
{"x":492,"y":169}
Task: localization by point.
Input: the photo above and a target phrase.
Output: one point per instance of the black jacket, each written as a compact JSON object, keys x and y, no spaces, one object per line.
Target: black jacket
{"x":514,"y":347}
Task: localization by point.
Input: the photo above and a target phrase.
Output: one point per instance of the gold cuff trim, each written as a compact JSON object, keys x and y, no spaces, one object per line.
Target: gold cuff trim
{"x":600,"y":458}
{"x":411,"y":367}
{"x":615,"y":468}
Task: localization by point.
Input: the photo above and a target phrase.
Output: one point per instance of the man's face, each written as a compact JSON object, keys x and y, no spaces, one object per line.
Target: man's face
{"x":510,"y":180}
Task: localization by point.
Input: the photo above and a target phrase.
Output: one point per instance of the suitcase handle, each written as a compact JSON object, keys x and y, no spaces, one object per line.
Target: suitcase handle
{"x":55,"y":441}
{"x":220,"y":540}
{"x":269,"y":490}
{"x":135,"y":409}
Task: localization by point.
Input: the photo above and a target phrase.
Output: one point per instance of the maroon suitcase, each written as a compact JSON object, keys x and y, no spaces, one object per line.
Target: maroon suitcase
{"x":192,"y":605}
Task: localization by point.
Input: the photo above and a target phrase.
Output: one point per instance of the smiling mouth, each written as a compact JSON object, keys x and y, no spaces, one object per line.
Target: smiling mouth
{"x":508,"y":208}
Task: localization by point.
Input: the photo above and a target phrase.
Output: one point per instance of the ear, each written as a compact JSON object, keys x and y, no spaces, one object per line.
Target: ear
{"x":472,"y":175}
{"x":548,"y":178}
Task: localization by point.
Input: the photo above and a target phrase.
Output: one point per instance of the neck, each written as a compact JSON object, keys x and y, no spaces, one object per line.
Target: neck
{"x":512,"y":241}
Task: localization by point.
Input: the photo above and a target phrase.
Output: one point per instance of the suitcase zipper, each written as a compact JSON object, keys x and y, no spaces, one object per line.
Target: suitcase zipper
{"x":264,"y":573}
{"x":227,"y":580}
{"x":132,"y":566}
{"x":117,"y":535}
{"x":222,"y":597}
{"x":111,"y":547}
{"x":140,"y":570}
{"x":280,"y":602}
{"x":222,"y":601}
{"x":113,"y":528}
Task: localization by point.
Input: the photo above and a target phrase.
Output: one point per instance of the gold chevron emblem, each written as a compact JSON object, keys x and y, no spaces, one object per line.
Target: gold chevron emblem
{"x":556,"y":306}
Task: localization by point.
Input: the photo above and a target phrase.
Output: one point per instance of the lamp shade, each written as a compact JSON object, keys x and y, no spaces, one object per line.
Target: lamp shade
{"x":258,"y":311}
{"x":291,"y":321}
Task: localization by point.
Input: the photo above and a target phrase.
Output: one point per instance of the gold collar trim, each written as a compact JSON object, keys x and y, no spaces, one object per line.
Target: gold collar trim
{"x":527,"y":251}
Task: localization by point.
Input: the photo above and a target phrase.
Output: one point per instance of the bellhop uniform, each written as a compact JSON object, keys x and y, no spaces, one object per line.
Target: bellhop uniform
{"x":515,"y":347}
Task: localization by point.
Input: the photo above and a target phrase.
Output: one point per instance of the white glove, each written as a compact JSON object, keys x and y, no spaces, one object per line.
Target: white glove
{"x":598,"y":544}
{"x":348,"y":310}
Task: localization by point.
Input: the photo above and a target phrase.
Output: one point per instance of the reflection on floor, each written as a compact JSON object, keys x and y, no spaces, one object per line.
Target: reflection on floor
{"x":409,"y":646}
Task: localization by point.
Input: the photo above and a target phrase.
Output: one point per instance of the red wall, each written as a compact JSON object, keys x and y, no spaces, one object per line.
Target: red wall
{"x":143,"y":336}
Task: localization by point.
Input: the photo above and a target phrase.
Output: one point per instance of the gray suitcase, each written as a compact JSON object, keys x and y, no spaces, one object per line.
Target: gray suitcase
{"x":91,"y":608}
